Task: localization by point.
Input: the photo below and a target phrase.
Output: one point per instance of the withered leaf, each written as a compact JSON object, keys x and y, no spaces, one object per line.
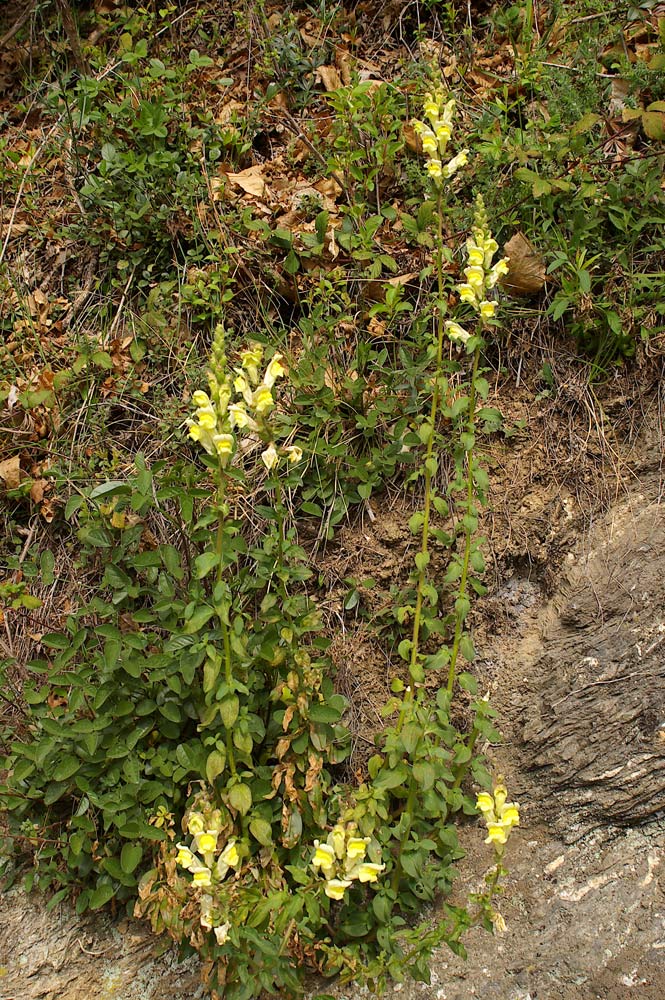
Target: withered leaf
{"x":526,"y":275}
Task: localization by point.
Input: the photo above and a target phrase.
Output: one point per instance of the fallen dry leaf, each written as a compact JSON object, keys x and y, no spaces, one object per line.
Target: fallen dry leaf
{"x":329,"y":77}
{"x":250,"y":180}
{"x":37,"y":490}
{"x":526,"y":275}
{"x":10,"y":472}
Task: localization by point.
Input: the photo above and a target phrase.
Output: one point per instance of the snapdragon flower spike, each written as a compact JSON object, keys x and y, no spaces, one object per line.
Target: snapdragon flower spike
{"x":499,"y":815}
{"x":341,"y":860}
{"x":480,"y":274}
{"x":436,"y":135}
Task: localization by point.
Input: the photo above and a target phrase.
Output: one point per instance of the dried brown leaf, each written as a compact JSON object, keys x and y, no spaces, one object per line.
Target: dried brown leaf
{"x":10,"y":472}
{"x":526,"y":275}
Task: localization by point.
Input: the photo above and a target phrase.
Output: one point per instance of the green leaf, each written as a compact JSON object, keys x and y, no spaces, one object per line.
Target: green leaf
{"x":54,"y":640}
{"x":66,"y":768}
{"x":204,"y":563}
{"x":387,"y":779}
{"x":468,"y":683}
{"x":101,"y":895}
{"x":215,"y":765}
{"x":422,"y":561}
{"x":130,"y":856}
{"x":109,"y":489}
{"x":466,"y":648}
{"x":240,"y":797}
{"x":47,"y":565}
{"x":323,"y":713}
{"x":229,"y":710}
{"x":404,"y":649}
{"x":170,"y":711}
{"x":261,"y":830}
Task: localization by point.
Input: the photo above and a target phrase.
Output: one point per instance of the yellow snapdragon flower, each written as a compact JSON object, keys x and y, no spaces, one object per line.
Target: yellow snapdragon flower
{"x":369,"y":872}
{"x":224,"y":444}
{"x":206,"y":842}
{"x":499,"y":815}
{"x":356,"y":847}
{"x":184,"y":857}
{"x":270,"y":457}
{"x":195,"y":823}
{"x":230,"y":855}
{"x":202,"y":877}
{"x":452,"y":166}
{"x":294,"y":454}
{"x":222,"y":932}
{"x":274,"y":371}
{"x":335,"y":888}
{"x":324,"y":857}
{"x":262,"y":400}
{"x":456,"y":333}
{"x":250,"y":359}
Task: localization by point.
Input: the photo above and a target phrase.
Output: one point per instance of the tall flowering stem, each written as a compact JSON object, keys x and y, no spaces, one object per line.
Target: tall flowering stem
{"x":435,"y":132}
{"x":481,"y":275}
{"x":239,"y":402}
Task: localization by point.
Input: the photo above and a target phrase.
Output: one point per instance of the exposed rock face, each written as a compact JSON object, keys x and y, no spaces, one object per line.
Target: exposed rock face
{"x":594,"y":730}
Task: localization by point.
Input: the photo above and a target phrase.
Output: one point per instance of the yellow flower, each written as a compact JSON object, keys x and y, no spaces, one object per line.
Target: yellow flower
{"x":510,"y":815}
{"x":456,"y":332}
{"x":467,"y":294}
{"x":230,"y":855}
{"x":206,"y":913}
{"x":224,"y":444}
{"x":207,"y":418}
{"x":274,"y":371}
{"x":475,"y":254}
{"x":498,"y":922}
{"x":241,"y":385}
{"x":262,"y":400}
{"x":430,"y":145}
{"x":369,"y":872}
{"x":475,"y":277}
{"x":206,"y":842}
{"x":487,"y":309}
{"x":335,"y":888}
{"x":251,"y":359}
{"x":184,"y":857}
{"x":270,"y":457}
{"x":458,"y":161}
{"x":196,"y":823}
{"x":485,"y":802}
{"x":500,"y":796}
{"x":434,"y":169}
{"x":238,"y":415}
{"x":499,"y":270}
{"x":324,"y":857}
{"x":496,"y":834}
{"x":356,"y":847}
{"x":200,"y":398}
{"x":222,"y":932}
{"x":338,"y":838}
{"x":294,"y":454}
{"x":431,"y":108}
{"x":443,"y":132}
{"x":202,"y":877}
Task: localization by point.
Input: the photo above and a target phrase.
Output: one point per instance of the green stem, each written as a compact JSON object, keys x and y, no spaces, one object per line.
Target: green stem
{"x":468,"y":534}
{"x":226,"y":638}
{"x":409,"y":695}
{"x":429,"y":453}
